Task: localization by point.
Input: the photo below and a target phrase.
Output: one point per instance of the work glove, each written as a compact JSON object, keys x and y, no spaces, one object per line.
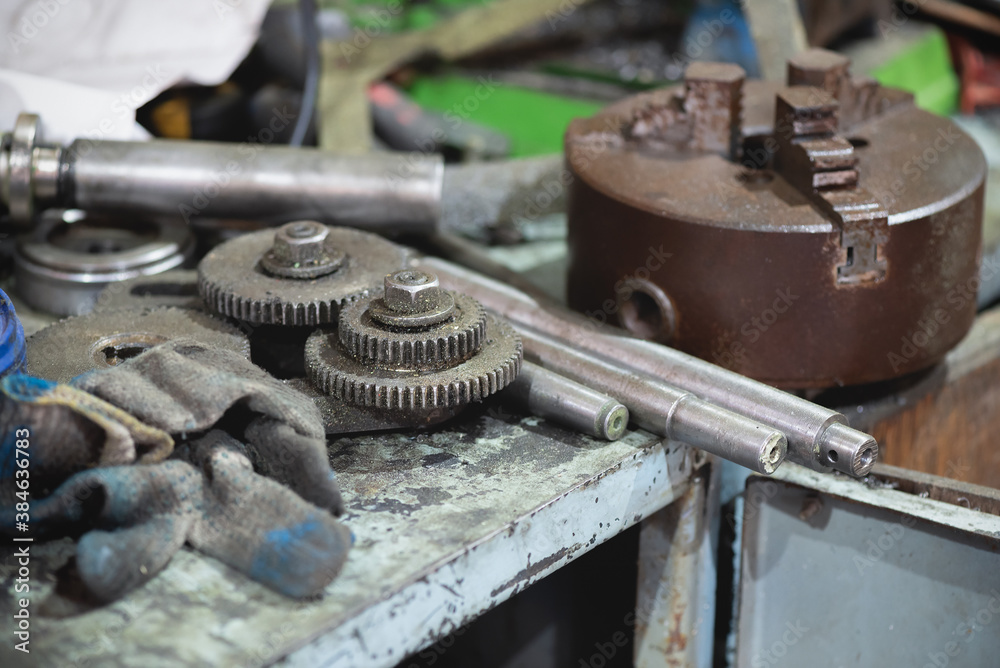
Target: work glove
{"x":49,"y":432}
{"x":135,"y":518}
{"x":184,"y":386}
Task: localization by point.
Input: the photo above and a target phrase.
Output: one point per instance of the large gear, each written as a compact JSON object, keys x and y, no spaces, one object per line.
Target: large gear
{"x":417,"y":348}
{"x":72,"y":346}
{"x":333,"y":370}
{"x":443,"y":344}
{"x":295,"y":275}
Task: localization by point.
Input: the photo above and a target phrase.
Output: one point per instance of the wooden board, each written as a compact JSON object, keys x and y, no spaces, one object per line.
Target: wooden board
{"x":948,"y":423}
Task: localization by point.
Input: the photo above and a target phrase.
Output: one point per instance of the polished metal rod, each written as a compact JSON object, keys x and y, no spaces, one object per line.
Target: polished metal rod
{"x":662,"y":409}
{"x":555,"y":397}
{"x":818,"y":437}
{"x":253,"y":180}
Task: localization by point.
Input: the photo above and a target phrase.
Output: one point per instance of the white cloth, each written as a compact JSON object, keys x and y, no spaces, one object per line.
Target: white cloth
{"x":86,"y":65}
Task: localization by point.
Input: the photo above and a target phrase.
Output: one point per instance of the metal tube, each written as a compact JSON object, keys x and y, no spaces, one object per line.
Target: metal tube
{"x":274,"y":183}
{"x":662,"y":409}
{"x":807,"y":425}
{"x":554,"y":397}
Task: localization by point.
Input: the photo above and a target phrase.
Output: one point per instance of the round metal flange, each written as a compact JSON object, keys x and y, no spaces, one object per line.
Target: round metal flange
{"x":807,"y":237}
{"x":73,"y":346}
{"x":70,"y":257}
{"x":233,"y":282}
{"x":19,"y":190}
{"x":333,"y":369}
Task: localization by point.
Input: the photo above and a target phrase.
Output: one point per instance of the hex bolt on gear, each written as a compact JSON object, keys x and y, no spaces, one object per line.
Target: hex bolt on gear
{"x":417,"y":349}
{"x":303,"y":273}
{"x":67,"y":348}
{"x":302,"y":250}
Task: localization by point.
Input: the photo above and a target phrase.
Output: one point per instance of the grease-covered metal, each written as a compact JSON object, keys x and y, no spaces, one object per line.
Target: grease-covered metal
{"x":815,"y":234}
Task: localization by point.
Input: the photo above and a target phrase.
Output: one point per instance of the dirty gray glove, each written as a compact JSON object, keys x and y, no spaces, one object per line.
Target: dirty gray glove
{"x":186,"y":386}
{"x":50,"y":431}
{"x":137,"y":517}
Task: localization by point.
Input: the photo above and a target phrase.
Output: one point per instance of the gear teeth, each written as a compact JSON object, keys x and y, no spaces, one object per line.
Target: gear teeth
{"x":469,"y":381}
{"x":435,"y":347}
{"x":232,"y":284}
{"x":273,"y":312}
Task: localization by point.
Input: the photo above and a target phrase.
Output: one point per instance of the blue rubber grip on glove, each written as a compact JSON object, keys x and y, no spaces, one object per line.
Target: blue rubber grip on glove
{"x":12,"y":348}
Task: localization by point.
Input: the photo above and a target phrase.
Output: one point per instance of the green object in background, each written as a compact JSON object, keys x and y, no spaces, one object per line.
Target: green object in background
{"x":925,"y":70}
{"x":534,"y":121}
{"x":394,"y":16}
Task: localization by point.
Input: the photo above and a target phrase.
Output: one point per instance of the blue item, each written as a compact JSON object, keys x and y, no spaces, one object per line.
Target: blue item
{"x":718,"y":31}
{"x":12,"y":348}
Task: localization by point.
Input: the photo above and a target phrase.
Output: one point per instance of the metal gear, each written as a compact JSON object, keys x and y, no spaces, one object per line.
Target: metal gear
{"x":242,"y":278}
{"x":177,"y":287}
{"x":464,"y":358}
{"x":404,"y":328}
{"x":332,"y":369}
{"x":72,"y":346}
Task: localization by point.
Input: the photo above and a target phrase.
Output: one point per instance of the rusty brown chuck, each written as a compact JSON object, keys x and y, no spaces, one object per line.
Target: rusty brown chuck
{"x":821,"y":233}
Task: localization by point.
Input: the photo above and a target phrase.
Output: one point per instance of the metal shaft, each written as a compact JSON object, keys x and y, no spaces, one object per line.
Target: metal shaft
{"x":250,"y":180}
{"x":817,"y":437}
{"x":555,"y":397}
{"x":662,"y":409}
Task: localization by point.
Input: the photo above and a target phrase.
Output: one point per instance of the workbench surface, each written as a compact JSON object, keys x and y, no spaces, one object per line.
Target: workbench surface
{"x":447,"y":524}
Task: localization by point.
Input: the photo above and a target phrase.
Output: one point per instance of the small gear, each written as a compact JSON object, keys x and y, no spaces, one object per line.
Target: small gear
{"x":72,"y":346}
{"x":303,"y":273}
{"x":332,"y":369}
{"x":414,"y":329}
{"x":464,"y":355}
